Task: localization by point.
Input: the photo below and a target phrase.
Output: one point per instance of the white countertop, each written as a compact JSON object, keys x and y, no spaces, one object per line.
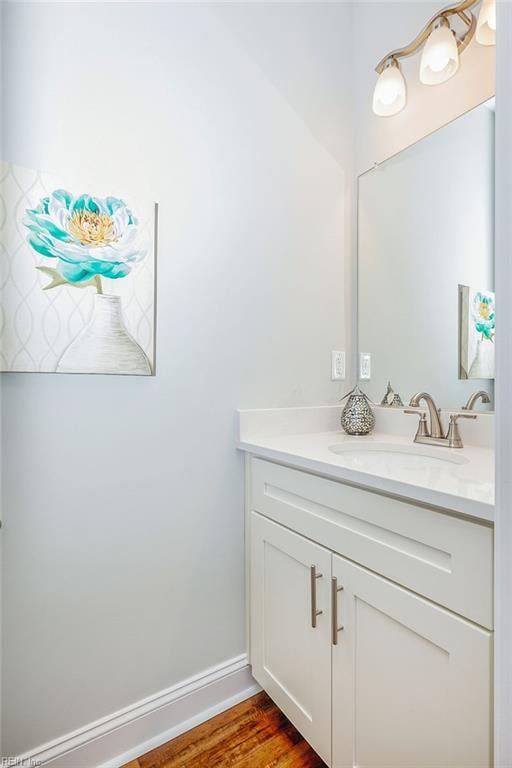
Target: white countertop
{"x":463,"y":488}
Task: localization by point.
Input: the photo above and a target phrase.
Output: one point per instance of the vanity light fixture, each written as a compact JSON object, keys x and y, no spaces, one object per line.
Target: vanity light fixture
{"x":486,"y":26}
{"x":442,"y":47}
{"x":440,"y":56}
{"x":389,"y":96}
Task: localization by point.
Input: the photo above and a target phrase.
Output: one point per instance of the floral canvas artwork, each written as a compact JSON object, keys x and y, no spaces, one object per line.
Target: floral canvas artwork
{"x":477,"y":333}
{"x":78,"y":278}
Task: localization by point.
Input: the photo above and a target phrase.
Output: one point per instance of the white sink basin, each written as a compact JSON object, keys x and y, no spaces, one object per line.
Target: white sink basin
{"x":373,"y":456}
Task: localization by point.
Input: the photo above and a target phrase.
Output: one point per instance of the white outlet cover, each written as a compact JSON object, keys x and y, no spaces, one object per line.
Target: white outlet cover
{"x":337,"y":366}
{"x":365,"y":366}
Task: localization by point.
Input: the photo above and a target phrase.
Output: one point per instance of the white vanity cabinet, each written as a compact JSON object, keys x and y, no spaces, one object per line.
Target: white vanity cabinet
{"x":411,"y":681}
{"x":291,"y":654}
{"x":370,"y":622}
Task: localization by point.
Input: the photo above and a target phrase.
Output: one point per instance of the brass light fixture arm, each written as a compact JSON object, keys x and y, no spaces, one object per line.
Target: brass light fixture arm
{"x":458,"y":9}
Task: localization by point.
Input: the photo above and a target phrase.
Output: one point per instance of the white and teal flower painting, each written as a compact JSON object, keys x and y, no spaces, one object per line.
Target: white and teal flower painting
{"x":79,"y":274}
{"x":484,"y":316}
{"x":477,"y":318}
{"x":88,"y":238}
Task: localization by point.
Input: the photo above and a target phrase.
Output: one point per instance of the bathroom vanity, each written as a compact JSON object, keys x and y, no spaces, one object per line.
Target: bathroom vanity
{"x":370,"y":591}
{"x":370,"y":559}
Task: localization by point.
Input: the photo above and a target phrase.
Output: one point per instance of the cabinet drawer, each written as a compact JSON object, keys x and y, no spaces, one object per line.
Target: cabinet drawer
{"x":447,"y":559}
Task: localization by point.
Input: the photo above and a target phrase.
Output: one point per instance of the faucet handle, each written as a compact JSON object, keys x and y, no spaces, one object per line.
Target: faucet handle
{"x":453,"y":436}
{"x":422,"y":430}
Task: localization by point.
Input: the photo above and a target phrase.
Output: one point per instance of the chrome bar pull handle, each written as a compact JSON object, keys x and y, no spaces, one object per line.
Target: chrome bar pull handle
{"x":314,"y":611}
{"x":334,"y":609}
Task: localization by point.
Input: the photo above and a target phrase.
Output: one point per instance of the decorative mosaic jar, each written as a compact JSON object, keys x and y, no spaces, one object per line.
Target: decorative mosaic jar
{"x":357,"y":416}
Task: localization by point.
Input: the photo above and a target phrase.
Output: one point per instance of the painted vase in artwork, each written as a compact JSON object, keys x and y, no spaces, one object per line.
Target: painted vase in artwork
{"x":105,"y":345}
{"x":482,"y":366}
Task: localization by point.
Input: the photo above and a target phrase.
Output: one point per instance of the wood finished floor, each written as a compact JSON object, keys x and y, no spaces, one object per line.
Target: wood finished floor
{"x":254,"y":734}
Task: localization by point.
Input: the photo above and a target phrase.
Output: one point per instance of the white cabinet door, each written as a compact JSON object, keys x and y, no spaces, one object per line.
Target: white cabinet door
{"x":290,"y":627}
{"x":411,"y":681}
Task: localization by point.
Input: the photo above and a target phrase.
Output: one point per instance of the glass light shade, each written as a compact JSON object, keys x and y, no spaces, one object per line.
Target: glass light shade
{"x":440,"y":57}
{"x":486,"y":26}
{"x":389,"y":95}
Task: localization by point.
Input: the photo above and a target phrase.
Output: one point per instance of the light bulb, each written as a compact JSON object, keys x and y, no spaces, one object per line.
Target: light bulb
{"x":486,"y":26}
{"x":389,"y":95}
{"x":440,"y":57}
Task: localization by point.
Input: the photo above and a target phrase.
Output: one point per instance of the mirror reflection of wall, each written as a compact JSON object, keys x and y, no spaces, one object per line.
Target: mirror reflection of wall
{"x":426,"y":265}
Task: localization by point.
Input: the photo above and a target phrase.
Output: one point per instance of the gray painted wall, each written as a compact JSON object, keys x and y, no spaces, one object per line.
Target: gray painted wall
{"x":123,"y":498}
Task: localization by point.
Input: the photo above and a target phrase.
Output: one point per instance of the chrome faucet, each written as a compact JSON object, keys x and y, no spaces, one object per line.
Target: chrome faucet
{"x":436,"y":428}
{"x":435,"y":434}
{"x":481,"y":395}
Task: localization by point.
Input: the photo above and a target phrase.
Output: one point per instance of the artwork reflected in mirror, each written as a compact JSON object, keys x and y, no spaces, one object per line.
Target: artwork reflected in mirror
{"x":477,"y":333}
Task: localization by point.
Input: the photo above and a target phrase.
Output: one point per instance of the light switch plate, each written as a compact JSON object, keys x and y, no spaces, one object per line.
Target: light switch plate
{"x":365,"y":366}
{"x":337,"y":366}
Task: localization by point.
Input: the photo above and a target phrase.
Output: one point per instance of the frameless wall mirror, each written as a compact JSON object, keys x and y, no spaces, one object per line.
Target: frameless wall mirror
{"x":426,"y":266}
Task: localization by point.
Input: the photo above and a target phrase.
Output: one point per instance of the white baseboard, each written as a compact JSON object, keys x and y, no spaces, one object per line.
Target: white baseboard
{"x":125,"y":735}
